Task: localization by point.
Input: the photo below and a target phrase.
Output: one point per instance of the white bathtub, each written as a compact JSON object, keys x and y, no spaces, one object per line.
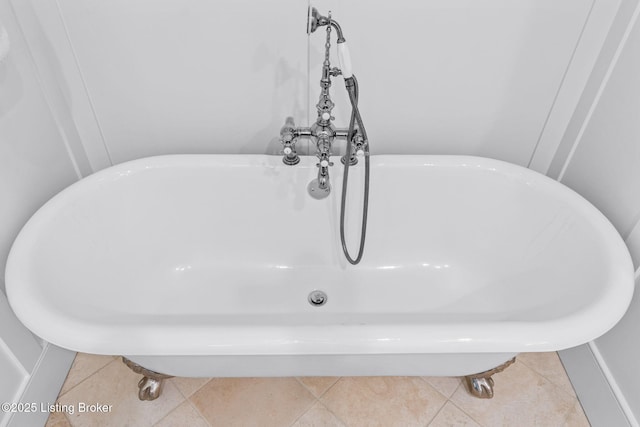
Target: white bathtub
{"x":200,"y":265}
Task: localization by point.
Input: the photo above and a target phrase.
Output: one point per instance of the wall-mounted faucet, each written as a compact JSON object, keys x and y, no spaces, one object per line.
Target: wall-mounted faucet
{"x":323,"y":133}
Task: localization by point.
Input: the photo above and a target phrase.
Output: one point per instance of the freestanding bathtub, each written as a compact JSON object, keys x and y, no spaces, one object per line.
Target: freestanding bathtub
{"x":201,"y":265}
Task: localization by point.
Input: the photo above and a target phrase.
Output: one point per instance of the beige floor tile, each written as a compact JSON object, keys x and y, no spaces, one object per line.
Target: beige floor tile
{"x":534,"y":392}
{"x":549,"y":366}
{"x":183,"y":415}
{"x":451,"y":416}
{"x":576,"y":417}
{"x":522,"y":398}
{"x":383,"y":401}
{"x":188,"y":386}
{"x":84,"y":365}
{"x":445,"y":385}
{"x":117,"y":385}
{"x":318,"y":416}
{"x":318,"y":385}
{"x":252,"y":401}
{"x":57,"y":419}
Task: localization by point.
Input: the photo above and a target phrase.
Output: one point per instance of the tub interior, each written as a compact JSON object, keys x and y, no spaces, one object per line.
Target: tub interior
{"x":238,"y":241}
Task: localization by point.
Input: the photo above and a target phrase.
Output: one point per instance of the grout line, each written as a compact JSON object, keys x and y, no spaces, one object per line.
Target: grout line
{"x":466,"y":413}
{"x":315,"y":401}
{"x":335,"y":415}
{"x":318,"y":401}
{"x":327,"y":407}
{"x":437,"y":413}
{"x":305,"y":387}
{"x":195,"y":391}
{"x":312,"y":393}
{"x":332,"y":386}
{"x":198,"y":411}
{"x":460,"y":384}
{"x":84,"y":379}
{"x":573,"y":395}
{"x":460,"y":381}
{"x":435,"y":389}
{"x":180,"y":404}
{"x":168,"y":413}
{"x":188,"y":399}
{"x":64,"y":414}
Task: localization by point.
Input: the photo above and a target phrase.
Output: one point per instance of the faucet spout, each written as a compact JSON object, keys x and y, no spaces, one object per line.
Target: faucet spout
{"x":323,"y":171}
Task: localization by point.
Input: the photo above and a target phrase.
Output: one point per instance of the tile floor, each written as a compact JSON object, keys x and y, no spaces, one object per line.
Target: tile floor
{"x":535,"y":391}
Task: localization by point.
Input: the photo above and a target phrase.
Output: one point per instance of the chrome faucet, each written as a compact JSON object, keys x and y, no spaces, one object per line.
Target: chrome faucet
{"x":323,"y":133}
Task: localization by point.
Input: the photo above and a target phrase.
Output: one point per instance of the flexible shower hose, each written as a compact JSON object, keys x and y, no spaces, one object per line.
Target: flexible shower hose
{"x":352,"y":88}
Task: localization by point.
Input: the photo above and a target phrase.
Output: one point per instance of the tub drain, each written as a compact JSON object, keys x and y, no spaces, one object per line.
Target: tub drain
{"x":317,"y":298}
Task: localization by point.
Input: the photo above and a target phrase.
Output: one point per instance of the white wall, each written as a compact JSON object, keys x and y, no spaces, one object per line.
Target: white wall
{"x":34,"y":165}
{"x":455,"y":77}
{"x":168,"y":76}
{"x":600,"y":158}
{"x":444,"y":76}
{"x":605,"y":164}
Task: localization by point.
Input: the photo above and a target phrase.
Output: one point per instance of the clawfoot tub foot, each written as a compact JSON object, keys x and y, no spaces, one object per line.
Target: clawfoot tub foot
{"x":150,"y":386}
{"x":481,"y":385}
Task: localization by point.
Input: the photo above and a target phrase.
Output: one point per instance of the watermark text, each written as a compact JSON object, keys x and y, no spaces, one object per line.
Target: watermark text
{"x":68,"y":408}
